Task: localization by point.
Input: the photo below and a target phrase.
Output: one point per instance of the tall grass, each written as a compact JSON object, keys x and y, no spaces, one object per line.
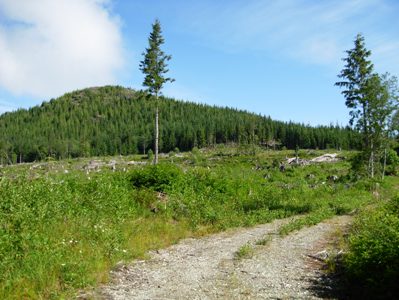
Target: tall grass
{"x":63,"y":232}
{"x":372,"y":262}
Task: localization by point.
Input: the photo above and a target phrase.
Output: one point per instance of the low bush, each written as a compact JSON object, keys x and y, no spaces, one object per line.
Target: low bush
{"x":63,"y":231}
{"x":372,"y":263}
{"x":158,"y":178}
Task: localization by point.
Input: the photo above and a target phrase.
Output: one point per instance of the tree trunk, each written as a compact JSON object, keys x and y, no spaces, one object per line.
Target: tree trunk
{"x":385,"y":163}
{"x":156,"y":130}
{"x":372,"y":164}
{"x":365,"y":128}
{"x":372,"y":161}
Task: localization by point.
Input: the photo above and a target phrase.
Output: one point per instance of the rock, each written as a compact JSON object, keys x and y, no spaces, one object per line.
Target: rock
{"x":112,"y":165}
{"x":93,"y":165}
{"x":135,"y":163}
{"x":328,"y":157}
{"x":322,"y":255}
{"x":332,"y":178}
{"x":297,"y":161}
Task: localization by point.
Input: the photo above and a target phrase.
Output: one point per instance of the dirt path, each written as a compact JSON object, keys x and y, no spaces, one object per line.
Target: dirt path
{"x":207,"y":268}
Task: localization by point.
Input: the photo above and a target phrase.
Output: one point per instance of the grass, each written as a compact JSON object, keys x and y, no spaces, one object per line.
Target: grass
{"x":371,"y":265}
{"x":245,"y":251}
{"x":264,"y":241}
{"x":62,"y":228}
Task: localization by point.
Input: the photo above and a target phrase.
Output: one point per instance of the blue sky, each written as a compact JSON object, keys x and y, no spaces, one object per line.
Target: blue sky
{"x":276,"y":58}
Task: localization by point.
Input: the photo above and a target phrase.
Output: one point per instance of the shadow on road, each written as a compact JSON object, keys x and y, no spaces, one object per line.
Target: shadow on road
{"x":335,"y":285}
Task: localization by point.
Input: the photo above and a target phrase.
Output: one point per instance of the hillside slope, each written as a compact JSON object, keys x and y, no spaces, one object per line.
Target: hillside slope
{"x":115,"y":120}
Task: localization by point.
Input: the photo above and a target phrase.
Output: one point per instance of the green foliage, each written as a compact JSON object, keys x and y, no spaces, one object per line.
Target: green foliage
{"x":245,"y":251}
{"x":308,"y":220}
{"x":159,"y":178}
{"x":154,"y":65}
{"x":373,"y":100}
{"x":54,"y":233}
{"x":359,"y":169}
{"x":355,"y":75}
{"x":373,"y":258}
{"x":60,"y":232}
{"x":264,"y":241}
{"x":114,"y":120}
{"x":150,"y":155}
{"x":392,"y":162}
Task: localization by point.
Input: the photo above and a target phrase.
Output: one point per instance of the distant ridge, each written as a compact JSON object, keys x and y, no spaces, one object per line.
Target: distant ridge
{"x":113,"y":120}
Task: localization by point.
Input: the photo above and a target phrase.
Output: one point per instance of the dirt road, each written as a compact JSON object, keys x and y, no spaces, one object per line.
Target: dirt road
{"x":208,"y":268}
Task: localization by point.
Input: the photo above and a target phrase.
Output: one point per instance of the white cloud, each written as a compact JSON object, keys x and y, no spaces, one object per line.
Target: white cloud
{"x":49,"y":47}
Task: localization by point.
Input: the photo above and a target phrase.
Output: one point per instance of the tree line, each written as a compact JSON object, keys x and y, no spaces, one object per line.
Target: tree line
{"x":115,"y":120}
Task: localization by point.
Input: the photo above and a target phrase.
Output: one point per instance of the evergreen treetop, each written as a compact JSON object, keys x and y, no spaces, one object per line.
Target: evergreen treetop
{"x":154,"y":65}
{"x":354,"y":76}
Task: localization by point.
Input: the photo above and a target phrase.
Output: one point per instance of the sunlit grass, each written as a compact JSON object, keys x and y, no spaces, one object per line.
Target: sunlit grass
{"x":63,"y":231}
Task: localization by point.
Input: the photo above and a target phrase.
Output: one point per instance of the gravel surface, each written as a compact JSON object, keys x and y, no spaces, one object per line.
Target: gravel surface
{"x":208,"y":268}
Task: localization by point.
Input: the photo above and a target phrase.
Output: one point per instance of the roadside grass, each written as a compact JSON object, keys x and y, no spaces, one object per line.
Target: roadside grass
{"x":264,"y":241}
{"x":245,"y":251}
{"x":363,"y":262}
{"x":341,"y":203}
{"x":61,"y":232}
{"x":371,"y":265}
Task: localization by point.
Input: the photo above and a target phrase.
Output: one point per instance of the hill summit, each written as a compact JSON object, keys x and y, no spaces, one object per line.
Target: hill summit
{"x":113,"y":120}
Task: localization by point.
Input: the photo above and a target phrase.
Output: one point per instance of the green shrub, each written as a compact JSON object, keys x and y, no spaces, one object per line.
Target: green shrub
{"x":60,"y":232}
{"x":359,"y":168}
{"x":373,"y":258}
{"x":392,"y":162}
{"x":245,"y":251}
{"x":158,"y":178}
{"x":150,"y":155}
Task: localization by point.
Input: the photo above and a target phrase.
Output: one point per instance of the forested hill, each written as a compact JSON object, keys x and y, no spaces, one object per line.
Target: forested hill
{"x":114,"y":120}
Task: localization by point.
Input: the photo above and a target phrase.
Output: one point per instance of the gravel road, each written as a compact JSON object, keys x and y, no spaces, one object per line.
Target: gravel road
{"x":208,"y":268}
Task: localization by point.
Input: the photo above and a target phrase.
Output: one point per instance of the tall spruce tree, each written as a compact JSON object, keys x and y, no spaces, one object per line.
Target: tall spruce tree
{"x":355,"y":75}
{"x":371,"y":101}
{"x":154,"y":67}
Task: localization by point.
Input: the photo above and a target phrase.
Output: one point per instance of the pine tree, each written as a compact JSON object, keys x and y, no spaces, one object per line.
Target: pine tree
{"x":370,"y":98}
{"x":355,"y":74}
{"x":154,"y":66}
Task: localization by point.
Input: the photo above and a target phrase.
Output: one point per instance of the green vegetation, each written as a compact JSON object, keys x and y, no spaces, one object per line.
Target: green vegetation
{"x":62,"y":227}
{"x":311,"y":219}
{"x":154,"y":66}
{"x":264,"y":241}
{"x":373,"y":100}
{"x":371,"y":266}
{"x":115,"y":120}
{"x":372,"y":263}
{"x":245,"y":251}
